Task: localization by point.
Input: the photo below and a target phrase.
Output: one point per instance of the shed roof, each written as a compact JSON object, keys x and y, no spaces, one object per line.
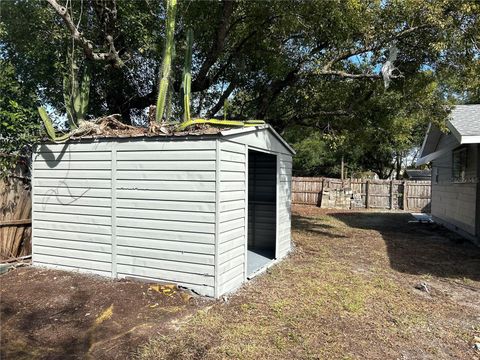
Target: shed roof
{"x":464,"y":126}
{"x":195,"y":132}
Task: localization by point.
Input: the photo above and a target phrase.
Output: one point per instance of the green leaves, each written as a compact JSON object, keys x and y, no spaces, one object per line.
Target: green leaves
{"x":19,"y":124}
{"x":264,"y":41}
{"x":257,"y":55}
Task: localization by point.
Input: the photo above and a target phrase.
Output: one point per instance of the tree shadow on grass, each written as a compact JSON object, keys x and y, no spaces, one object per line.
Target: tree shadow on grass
{"x":419,"y":248}
{"x":302,"y":223}
{"x":52,"y":314}
{"x":48,"y":332}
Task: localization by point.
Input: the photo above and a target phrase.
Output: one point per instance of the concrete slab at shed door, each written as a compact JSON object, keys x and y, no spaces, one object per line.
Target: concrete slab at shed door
{"x":160,"y":209}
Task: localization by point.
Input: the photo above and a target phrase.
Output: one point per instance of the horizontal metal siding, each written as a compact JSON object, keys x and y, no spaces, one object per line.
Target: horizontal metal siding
{"x":154,"y":275}
{"x":231,"y":241}
{"x":153,"y":243}
{"x":165,"y":210}
{"x":455,"y":203}
{"x":165,"y":215}
{"x":284,"y":205}
{"x":72,"y":207}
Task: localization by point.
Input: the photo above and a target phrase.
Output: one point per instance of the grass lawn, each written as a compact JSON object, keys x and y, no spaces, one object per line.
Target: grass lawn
{"x":348,"y":291}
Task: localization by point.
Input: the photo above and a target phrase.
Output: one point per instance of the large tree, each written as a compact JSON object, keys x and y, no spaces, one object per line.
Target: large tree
{"x":314,"y":63}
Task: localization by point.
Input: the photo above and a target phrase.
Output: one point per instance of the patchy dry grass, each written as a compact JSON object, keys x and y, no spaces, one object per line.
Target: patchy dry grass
{"x":347,"y":292}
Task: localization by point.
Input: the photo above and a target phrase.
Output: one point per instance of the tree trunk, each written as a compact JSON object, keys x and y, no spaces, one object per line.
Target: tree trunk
{"x":118,"y":87}
{"x":342,"y":166}
{"x":398,"y":166}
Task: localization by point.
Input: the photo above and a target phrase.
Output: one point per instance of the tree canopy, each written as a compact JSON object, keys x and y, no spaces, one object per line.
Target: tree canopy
{"x":311,"y":68}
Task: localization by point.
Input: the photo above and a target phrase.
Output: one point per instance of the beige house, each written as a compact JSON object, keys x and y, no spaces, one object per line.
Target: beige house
{"x":455,"y":160}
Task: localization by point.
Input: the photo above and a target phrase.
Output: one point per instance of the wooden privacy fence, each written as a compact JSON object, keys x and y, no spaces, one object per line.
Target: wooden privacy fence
{"x":15,"y":219}
{"x":358,"y":193}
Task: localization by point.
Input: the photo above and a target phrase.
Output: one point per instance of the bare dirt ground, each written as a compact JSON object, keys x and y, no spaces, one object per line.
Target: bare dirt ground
{"x":50,"y":314}
{"x":348,"y":291}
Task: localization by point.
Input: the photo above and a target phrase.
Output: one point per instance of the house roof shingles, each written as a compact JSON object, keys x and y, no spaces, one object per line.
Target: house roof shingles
{"x":466,"y":119}
{"x":464,"y":125}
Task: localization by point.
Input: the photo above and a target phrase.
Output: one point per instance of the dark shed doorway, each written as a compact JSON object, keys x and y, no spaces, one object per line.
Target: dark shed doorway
{"x":262,"y":209}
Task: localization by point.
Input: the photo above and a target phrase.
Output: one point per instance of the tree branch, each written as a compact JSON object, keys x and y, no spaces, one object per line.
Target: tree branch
{"x":346,"y":75}
{"x":106,"y":11}
{"x":217,"y":46}
{"x":357,"y":51}
{"x":216,"y":108}
{"x":111,"y":56}
{"x":233,"y":53}
{"x":277,"y":86}
{"x":306,"y":119}
{"x":274,"y":89}
{"x":327,"y":68}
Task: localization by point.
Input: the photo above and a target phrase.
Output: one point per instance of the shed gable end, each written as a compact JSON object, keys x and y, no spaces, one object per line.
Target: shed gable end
{"x":262,"y":139}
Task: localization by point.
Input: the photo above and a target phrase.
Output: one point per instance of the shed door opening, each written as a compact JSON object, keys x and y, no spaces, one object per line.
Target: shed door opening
{"x":262,"y":195}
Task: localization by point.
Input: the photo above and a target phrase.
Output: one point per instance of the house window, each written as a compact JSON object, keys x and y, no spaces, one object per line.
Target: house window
{"x":459,"y":164}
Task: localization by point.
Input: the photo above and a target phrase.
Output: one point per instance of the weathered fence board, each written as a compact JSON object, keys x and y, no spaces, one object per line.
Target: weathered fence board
{"x":15,"y":218}
{"x":372,"y":194}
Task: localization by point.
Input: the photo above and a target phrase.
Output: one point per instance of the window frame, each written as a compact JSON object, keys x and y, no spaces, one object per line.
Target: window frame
{"x":459,"y":164}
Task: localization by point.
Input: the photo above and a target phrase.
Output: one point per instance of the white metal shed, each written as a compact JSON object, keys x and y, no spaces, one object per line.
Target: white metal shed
{"x":203,"y":211}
